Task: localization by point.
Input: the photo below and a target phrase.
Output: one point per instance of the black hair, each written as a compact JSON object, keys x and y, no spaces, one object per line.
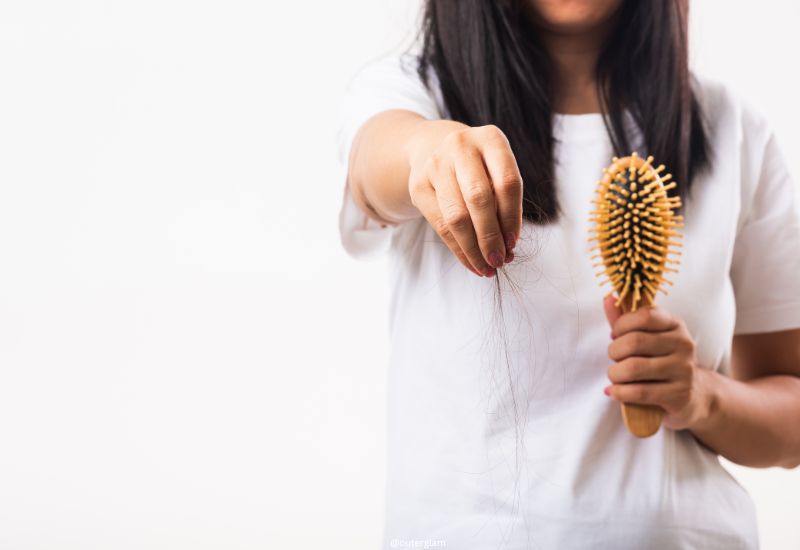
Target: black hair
{"x":493,"y":69}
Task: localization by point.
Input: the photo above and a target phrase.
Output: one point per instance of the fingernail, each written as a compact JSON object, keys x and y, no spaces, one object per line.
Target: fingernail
{"x":509,"y":257}
{"x":511,"y":241}
{"x":611,"y":334}
{"x":495,"y":259}
{"x":607,"y":390}
{"x":488,"y":271}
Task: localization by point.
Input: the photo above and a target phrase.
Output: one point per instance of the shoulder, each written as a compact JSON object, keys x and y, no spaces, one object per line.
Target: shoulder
{"x":381,"y":84}
{"x":727,"y":113}
{"x":396,"y":78}
{"x":740,"y":136}
{"x":745,"y":151}
{"x":397,"y":67}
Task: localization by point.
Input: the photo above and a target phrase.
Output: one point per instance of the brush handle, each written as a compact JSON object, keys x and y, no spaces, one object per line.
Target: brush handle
{"x":641,"y":420}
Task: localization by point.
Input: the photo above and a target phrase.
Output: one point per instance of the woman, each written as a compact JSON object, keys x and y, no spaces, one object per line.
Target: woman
{"x":482,"y":154}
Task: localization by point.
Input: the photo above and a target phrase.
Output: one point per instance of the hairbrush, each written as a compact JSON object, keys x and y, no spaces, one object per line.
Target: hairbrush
{"x":635,"y":229}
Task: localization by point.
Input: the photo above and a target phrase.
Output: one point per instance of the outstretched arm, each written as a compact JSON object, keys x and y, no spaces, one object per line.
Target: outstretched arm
{"x":464,"y":180}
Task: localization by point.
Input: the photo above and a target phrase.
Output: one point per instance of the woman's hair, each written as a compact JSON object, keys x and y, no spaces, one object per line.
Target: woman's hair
{"x":493,"y":69}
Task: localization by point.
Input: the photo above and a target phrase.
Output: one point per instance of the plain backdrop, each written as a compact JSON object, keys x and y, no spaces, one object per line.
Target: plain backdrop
{"x":188,"y":359}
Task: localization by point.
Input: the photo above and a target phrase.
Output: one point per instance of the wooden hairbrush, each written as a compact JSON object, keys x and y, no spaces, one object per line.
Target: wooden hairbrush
{"x":635,"y":229}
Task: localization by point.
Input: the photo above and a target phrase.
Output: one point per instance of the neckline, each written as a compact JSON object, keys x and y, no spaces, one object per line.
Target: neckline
{"x":588,"y":126}
{"x":570,"y":126}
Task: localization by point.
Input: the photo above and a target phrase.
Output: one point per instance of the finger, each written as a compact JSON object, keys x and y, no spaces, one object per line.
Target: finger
{"x":476,"y":188}
{"x":456,"y":216}
{"x":613,"y":311}
{"x":648,"y":318}
{"x":641,"y":369}
{"x":647,"y":393}
{"x":424,"y":199}
{"x":645,"y":344}
{"x":503,"y":171}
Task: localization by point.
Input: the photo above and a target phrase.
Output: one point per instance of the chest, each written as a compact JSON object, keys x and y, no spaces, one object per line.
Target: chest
{"x":559,"y":282}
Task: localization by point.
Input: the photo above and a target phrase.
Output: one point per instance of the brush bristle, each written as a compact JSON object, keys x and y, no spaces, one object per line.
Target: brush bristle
{"x":635,"y":229}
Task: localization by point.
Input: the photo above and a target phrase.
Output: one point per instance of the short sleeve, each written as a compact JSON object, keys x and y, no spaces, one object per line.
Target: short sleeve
{"x":381,"y":85}
{"x":765,"y":269}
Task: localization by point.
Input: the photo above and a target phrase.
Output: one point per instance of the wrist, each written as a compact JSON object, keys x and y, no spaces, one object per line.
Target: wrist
{"x":709,"y":400}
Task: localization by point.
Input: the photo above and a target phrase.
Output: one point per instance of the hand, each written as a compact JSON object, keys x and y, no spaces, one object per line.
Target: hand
{"x":655,"y":364}
{"x":469,"y":189}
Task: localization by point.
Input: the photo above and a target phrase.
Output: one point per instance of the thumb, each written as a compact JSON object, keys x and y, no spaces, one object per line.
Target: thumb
{"x":613,"y":311}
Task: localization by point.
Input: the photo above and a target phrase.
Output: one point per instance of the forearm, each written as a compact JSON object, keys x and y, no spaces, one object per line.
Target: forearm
{"x":381,"y":159}
{"x":755,"y":422}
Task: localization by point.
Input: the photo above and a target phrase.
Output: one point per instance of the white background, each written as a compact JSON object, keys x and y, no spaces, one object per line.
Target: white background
{"x":187,"y":358}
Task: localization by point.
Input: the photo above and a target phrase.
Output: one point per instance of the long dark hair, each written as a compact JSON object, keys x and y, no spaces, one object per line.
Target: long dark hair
{"x":493,"y":69}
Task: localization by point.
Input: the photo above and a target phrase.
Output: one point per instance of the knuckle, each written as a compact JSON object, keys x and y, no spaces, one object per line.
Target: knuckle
{"x":685,"y":345}
{"x":416,"y":186}
{"x":489,"y":236}
{"x":458,"y":138}
{"x":683,"y":394}
{"x":412,"y":195}
{"x":510,"y":222}
{"x":638,"y":340}
{"x":508,"y":183}
{"x":457,"y":218}
{"x":441,"y":228}
{"x":491,"y":131}
{"x":634,"y":369}
{"x":641,"y":393}
{"x":478,"y":195}
{"x":436,"y":162}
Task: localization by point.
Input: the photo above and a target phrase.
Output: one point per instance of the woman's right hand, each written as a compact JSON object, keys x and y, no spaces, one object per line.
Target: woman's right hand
{"x":469,"y":188}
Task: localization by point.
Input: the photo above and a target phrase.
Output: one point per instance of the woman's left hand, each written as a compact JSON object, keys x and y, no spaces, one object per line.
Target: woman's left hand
{"x":655,"y":364}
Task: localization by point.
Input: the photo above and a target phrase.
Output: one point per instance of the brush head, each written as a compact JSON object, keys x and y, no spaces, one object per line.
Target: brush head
{"x":634,"y":226}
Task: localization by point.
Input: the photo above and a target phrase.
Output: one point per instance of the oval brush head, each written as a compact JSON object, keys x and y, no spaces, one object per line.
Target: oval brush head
{"x":634,"y":225}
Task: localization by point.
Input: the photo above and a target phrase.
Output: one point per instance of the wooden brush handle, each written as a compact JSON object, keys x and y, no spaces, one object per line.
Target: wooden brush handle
{"x":641,"y":420}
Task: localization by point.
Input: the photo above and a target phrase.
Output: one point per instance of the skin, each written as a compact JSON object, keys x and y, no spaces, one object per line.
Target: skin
{"x":465,"y":182}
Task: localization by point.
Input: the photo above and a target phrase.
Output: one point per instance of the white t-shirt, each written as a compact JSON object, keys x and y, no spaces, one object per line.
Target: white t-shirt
{"x":498,"y":430}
